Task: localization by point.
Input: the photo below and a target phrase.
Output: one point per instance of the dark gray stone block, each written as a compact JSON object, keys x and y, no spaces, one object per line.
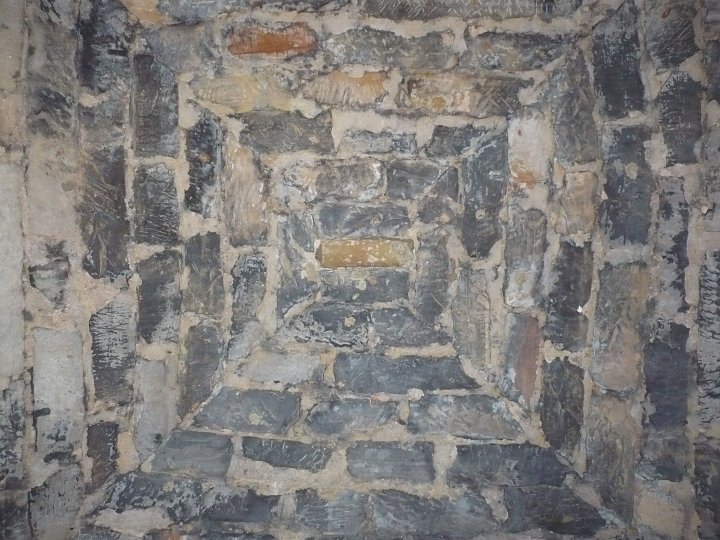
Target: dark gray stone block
{"x":370,"y":374}
{"x":14,"y":523}
{"x":364,"y":286}
{"x":471,"y":316}
{"x":391,"y":461}
{"x":453,"y":141}
{"x":669,"y":32}
{"x":190,"y":11}
{"x":296,"y":238}
{"x":205,"y":292}
{"x":157,"y":216}
{"x":277,"y":132}
{"x":51,"y":278}
{"x":155,"y":112}
{"x":708,"y":344}
{"x":343,"y":515}
{"x":103,"y":215}
{"x":102,"y":449}
{"x":159,"y":297}
{"x":285,"y":453}
{"x":194,"y":453}
{"x":54,"y":505}
{"x":226,"y":504}
{"x":409,"y":178}
{"x":440,"y":204}
{"x":337,"y":324}
{"x":470,"y":417}
{"x":202,"y":357}
{"x":555,"y":509}
{"x":258,"y":411}
{"x":112,"y":330}
{"x":616,"y":55}
{"x":570,"y":289}
{"x":12,"y":427}
{"x":680,"y":117}
{"x":561,"y":404}
{"x":512,"y":52}
{"x":484,"y":178}
{"x":361,"y":220}
{"x":494,"y":9}
{"x":184,"y":48}
{"x":399,"y":327}
{"x":347,"y":416}
{"x":707,"y":488}
{"x":384,"y":142}
{"x":481,"y":465}
{"x":203,"y":151}
{"x":712,"y":68}
{"x":432,"y":278}
{"x":626,"y":212}
{"x":104,"y":123}
{"x":524,"y":257}
{"x":249,"y":276}
{"x":520,"y":354}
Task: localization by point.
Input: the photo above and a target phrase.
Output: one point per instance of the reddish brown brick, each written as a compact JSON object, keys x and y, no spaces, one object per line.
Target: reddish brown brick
{"x":290,"y":40}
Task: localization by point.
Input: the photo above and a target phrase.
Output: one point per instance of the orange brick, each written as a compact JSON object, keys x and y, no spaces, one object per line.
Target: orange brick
{"x":370,"y":252}
{"x":288,"y":41}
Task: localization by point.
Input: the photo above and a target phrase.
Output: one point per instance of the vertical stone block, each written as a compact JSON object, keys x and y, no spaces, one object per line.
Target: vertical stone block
{"x":12,"y":427}
{"x":159,"y":297}
{"x":157,"y":216}
{"x":51,"y":277}
{"x":55,"y":504}
{"x":203,"y":151}
{"x":295,"y":235}
{"x":561,"y":404}
{"x":249,"y":280}
{"x":205,"y":292}
{"x":520,"y":355}
{"x":471,"y":316}
{"x":708,"y":344}
{"x":244,"y":206}
{"x":155,"y":112}
{"x":680,"y":117}
{"x":524,"y":257}
{"x":575,"y":202}
{"x":432,"y":278}
{"x":669,"y":32}
{"x":102,"y":449}
{"x":203,"y":353}
{"x":155,"y":409}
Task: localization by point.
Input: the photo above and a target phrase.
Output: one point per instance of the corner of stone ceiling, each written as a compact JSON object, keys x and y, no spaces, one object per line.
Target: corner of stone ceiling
{"x":359,"y":268}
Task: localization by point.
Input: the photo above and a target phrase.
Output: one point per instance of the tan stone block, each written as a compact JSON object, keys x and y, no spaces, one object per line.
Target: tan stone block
{"x":531,"y":146}
{"x":244,"y":195}
{"x":370,"y":252}
{"x":244,"y":93}
{"x":339,"y":88}
{"x":576,"y":204}
{"x":291,"y":40}
{"x":146,"y":11}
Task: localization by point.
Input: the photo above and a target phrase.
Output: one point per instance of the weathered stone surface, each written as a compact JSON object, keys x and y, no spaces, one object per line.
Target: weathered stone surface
{"x":155,"y":111}
{"x":180,"y":498}
{"x":484,"y":178}
{"x":102,"y":124}
{"x":343,"y":90}
{"x":258,"y":411}
{"x":284,"y":453}
{"x":524,"y":257}
{"x":478,"y":466}
{"x":342,"y":515}
{"x":13,"y":517}
{"x":471,"y":316}
{"x":244,"y":189}
{"x":495,"y":9}
{"x":157,"y":216}
{"x":277,"y":132}
{"x":364,"y":286}
{"x":249,"y":277}
{"x":713,"y":12}
{"x":399,"y":327}
{"x":707,"y":480}
{"x":461,"y":93}
{"x":159,"y":297}
{"x":182,"y":48}
{"x":10,"y":36}
{"x":561,"y":404}
{"x":531,"y":150}
{"x":359,"y":220}
{"x":520,"y":355}
{"x":566,"y":325}
{"x":12,"y":427}
{"x":93,"y":532}
{"x":281,"y":366}
{"x":103,"y":216}
{"x":51,"y":277}
{"x":58,"y":393}
{"x":572,"y":100}
{"x":708,"y":344}
{"x":576,"y":203}
{"x":611,"y":446}
{"x":188,"y":11}
{"x":440,"y":205}
{"x":113,"y":351}
{"x":512,"y":52}
{"x":621,"y":300}
{"x":399,"y":514}
{"x":246,"y":92}
{"x":369,"y":46}
{"x":221,"y":503}
{"x":470,"y":417}
{"x":451,"y":141}
{"x":102,"y":448}
{"x":103,"y":56}
{"x":680,"y":117}
{"x":378,"y":252}
{"x":55,"y":504}
{"x":155,"y":407}
{"x":616,"y":55}
{"x":370,"y":373}
{"x":555,"y":509}
{"x":203,"y":353}
{"x":356,"y":179}
{"x":204,"y":292}
{"x":665,"y":454}
{"x":383,"y":142}
{"x":712,"y":68}
{"x":194,"y":453}
{"x":203,"y":151}
{"x":337,"y":324}
{"x":409,"y":178}
{"x":626,"y":210}
{"x":432,"y":278}
{"x":297,"y":272}
{"x":391,"y":461}
{"x":349,"y":416}
{"x":669,"y":32}
{"x":284,"y":41}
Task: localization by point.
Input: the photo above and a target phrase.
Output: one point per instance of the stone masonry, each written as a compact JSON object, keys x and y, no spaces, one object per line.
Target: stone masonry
{"x":418,"y":269}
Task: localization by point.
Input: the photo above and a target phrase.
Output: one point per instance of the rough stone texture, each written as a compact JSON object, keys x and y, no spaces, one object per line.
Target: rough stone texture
{"x":234,"y":505}
{"x":155,"y":111}
{"x":561,"y":404}
{"x":289,"y":40}
{"x":55,"y":504}
{"x":353,"y":220}
{"x":204,"y":292}
{"x":342,"y":515}
{"x":12,"y":414}
{"x":340,"y":417}
{"x":708,"y":346}
{"x":521,"y":353}
{"x":364,"y":286}
{"x":156,"y":412}
{"x":280,"y":366}
{"x":286,"y":132}
{"x":399,"y":327}
{"x":524,"y":251}
{"x":495,"y":9}
{"x":679,"y":105}
{"x":102,"y":448}
{"x":256,"y":411}
{"x":343,"y":90}
{"x":471,"y":316}
{"x":157,"y":217}
{"x":203,"y":353}
{"x":576,"y":201}
{"x":470,"y":417}
{"x":408,"y":179}
{"x":670,"y":34}
{"x":358,"y":179}
{"x":712,"y":67}
{"x":283,"y":453}
{"x":388,"y":461}
{"x":432,"y":277}
{"x":512,"y":52}
{"x":450,"y":141}
{"x":249,"y":275}
{"x":244,"y":208}
{"x":159,"y":297}
{"x":194,"y":453}
{"x":203,"y":152}
{"x":364,"y":253}
{"x":384,"y":142}
{"x":49,"y":278}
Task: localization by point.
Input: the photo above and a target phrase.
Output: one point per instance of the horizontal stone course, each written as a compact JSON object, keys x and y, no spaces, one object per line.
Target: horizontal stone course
{"x":391,"y":461}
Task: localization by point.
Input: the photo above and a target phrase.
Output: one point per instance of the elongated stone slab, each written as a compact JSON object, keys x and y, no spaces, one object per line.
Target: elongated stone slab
{"x":342,"y":90}
{"x":432,"y":278}
{"x":157,"y":216}
{"x":670,"y":33}
{"x":471,"y":316}
{"x":282,"y":41}
{"x":680,"y":117}
{"x":361,"y":286}
{"x":203,"y":151}
{"x":277,"y":132}
{"x":512,"y":52}
{"x":524,"y":257}
{"x":155,"y":112}
{"x":194,"y":453}
{"x":362,"y":220}
{"x":54,"y":505}
{"x":49,"y":278}
{"x":244,"y":190}
{"x":708,"y":345}
{"x":561,"y":404}
{"x":520,"y":356}
{"x":284,"y":453}
{"x":156,"y":405}
{"x":364,"y":253}
{"x":494,"y":9}
{"x":159,"y":297}
{"x":348,"y":416}
{"x":344,"y":514}
{"x":203,"y":353}
{"x":358,"y":179}
{"x":249,"y":281}
{"x":391,"y":461}
{"x":12,"y":415}
{"x":205,"y":292}
{"x":226,"y":504}
{"x":337,"y":324}
{"x":399,"y":327}
{"x":450,"y":140}
{"x":102,"y":448}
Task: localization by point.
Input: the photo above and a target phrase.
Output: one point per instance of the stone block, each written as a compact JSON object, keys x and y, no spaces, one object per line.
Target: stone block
{"x":371,"y":373}
{"x":399,"y":327}
{"x":561,"y":404}
{"x":54,"y":505}
{"x":336,"y":324}
{"x":12,"y":428}
{"x":340,"y":89}
{"x":391,"y":461}
{"x":225,"y":504}
{"x":245,"y":92}
{"x":671,"y":246}
{"x":249,"y":281}
{"x":426,"y":10}
{"x":281,"y":366}
{"x":159,"y":297}
{"x":155,"y":111}
{"x":51,"y":277}
{"x":678,"y":103}
{"x":452,"y":141}
{"x":255,"y":411}
{"x":102,"y":449}
{"x":205,"y":292}
{"x":282,"y":41}
{"x":155,"y":408}
{"x":194,"y":453}
{"x":708,"y":344}
{"x":470,"y":417}
{"x":377,"y":252}
{"x":364,"y":286}
{"x":356,"y":179}
{"x":575,"y":202}
{"x":203,"y":353}
{"x":670,"y":32}
{"x":361,"y":220}
{"x":285,"y":453}
{"x":278,"y":132}
{"x":157,"y":216}
{"x":520,"y":355}
{"x":432,"y":278}
{"x":340,"y":417}
{"x":203,"y":151}
{"x":471,"y":316}
{"x":524,"y":257}
{"x":712,"y":68}
{"x":383,"y":142}
{"x":512,"y":52}
{"x":344,"y":514}
{"x":244,"y":189}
